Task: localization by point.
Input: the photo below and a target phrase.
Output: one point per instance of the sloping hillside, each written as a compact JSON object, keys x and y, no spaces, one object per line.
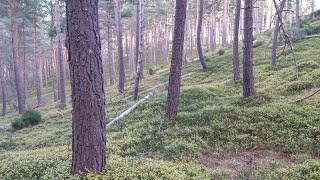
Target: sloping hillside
{"x":217,"y":134}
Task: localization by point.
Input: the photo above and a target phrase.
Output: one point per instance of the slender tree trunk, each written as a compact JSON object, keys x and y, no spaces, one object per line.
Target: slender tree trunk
{"x":224,"y":24}
{"x":297,"y":31}
{"x":16,"y":56}
{"x":88,"y":97}
{"x":199,"y":29}
{"x":112,"y":71}
{"x":53,"y":71}
{"x":312,"y":6}
{"x":248,"y":79}
{"x":62,"y":95}
{"x":140,"y":47}
{"x":276,"y":32}
{"x":236,"y":66}
{"x":38,"y":66}
{"x":3,"y":92}
{"x":176,"y":62}
{"x":118,"y":21}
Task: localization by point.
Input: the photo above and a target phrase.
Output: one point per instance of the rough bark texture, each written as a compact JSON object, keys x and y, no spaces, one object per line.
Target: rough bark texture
{"x":88,"y":97}
{"x":224,"y":24}
{"x":199,"y":29}
{"x":176,"y":61}
{"x":248,"y":80}
{"x":118,"y":21}
{"x":140,"y":47}
{"x":275,"y":34}
{"x":62,"y":94}
{"x":236,"y":66}
{"x":297,"y":31}
{"x":16,"y":56}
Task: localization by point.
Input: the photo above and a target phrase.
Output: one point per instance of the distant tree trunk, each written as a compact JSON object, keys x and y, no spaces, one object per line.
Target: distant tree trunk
{"x":236,"y":66}
{"x":53,"y":71}
{"x":176,"y":62}
{"x":38,"y":66}
{"x":88,"y":97}
{"x":248,"y":79}
{"x":199,"y":29}
{"x":16,"y":56}
{"x":224,"y":24}
{"x":118,"y":21}
{"x":3,"y":92}
{"x":213,"y":31}
{"x":140,"y":47}
{"x":276,"y":32}
{"x":297,"y":31}
{"x":312,"y":6}
{"x":137,"y":40}
{"x":24,"y":63}
{"x":62,"y":95}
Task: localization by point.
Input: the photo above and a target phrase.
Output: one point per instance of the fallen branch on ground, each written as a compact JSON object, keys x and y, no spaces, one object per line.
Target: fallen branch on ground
{"x":301,"y":99}
{"x":132,"y":108}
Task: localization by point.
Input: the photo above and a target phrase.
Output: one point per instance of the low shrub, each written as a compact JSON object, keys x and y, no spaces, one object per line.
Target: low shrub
{"x":28,"y":117}
{"x":151,"y":71}
{"x":221,"y":52}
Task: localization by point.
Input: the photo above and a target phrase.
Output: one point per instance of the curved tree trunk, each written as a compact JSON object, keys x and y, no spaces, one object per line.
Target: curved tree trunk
{"x":118,"y":21}
{"x":248,"y":79}
{"x":140,"y":48}
{"x":275,"y":34}
{"x":88,"y":97}
{"x":176,"y":62}
{"x":199,"y":29}
{"x":236,"y":66}
{"x":62,"y":94}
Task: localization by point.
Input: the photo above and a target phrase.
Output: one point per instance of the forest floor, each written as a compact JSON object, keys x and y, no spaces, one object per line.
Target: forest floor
{"x":216,"y":135}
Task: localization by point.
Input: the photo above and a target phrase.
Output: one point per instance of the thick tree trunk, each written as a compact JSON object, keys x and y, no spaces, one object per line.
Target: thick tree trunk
{"x":297,"y":31}
{"x":118,"y":21}
{"x":276,"y":32}
{"x":248,"y":79}
{"x":224,"y":24}
{"x":88,"y":97}
{"x":62,"y":95}
{"x":236,"y":66}
{"x":176,"y":62}
{"x":199,"y":29}
{"x":16,"y":56}
{"x":140,"y":47}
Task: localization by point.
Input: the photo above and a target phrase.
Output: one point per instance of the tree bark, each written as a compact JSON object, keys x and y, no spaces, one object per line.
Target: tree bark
{"x":297,"y":31}
{"x":16,"y":56}
{"x":38,"y":66}
{"x":176,"y":61}
{"x":88,"y":97}
{"x":3,"y":92}
{"x":236,"y":66}
{"x":199,"y":29}
{"x":248,"y":79}
{"x":62,"y":95}
{"x":140,"y":47}
{"x":118,"y":21}
{"x":275,"y":34}
{"x":224,"y":24}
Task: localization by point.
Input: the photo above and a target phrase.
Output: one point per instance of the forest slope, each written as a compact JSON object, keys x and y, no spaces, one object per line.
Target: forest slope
{"x":217,"y":134}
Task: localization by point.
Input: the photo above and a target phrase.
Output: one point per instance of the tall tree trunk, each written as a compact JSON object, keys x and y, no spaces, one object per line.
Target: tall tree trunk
{"x":88,"y":97}
{"x":140,"y":47}
{"x":236,"y":66}
{"x":248,"y":79}
{"x":118,"y":21}
{"x":224,"y":24}
{"x":276,"y":32}
{"x":199,"y":29}
{"x":53,"y":71}
{"x":112,"y":71}
{"x":16,"y":56}
{"x":297,"y":31}
{"x":38,"y":65}
{"x":176,"y":62}
{"x":62,"y":95}
{"x":3,"y":91}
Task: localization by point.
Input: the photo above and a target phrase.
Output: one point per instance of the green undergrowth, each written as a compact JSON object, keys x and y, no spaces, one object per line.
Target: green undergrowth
{"x":213,"y":117}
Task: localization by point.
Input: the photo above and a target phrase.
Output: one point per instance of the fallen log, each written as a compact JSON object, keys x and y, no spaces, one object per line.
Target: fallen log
{"x":132,"y":108}
{"x":301,"y":99}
